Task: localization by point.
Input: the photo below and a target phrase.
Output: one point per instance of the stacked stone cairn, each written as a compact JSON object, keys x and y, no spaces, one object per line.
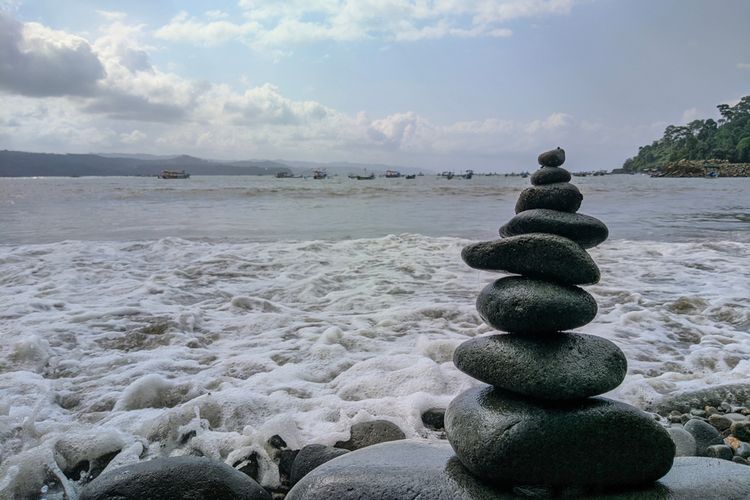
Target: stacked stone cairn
{"x":539,"y":422}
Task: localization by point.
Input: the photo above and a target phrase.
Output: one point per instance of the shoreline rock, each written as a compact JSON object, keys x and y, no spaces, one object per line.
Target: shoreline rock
{"x":592,"y":442}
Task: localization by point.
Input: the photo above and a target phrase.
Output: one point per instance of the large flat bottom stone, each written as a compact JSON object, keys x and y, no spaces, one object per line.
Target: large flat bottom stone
{"x":593,"y":442}
{"x":427,"y":470}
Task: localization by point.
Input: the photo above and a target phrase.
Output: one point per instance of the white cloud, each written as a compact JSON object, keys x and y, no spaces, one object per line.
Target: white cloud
{"x":133,"y":137}
{"x":273,"y":25}
{"x":138,"y":107}
{"x":186,"y":29}
{"x":38,"y":61}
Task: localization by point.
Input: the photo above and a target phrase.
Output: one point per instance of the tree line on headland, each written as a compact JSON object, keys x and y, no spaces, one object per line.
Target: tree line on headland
{"x":726,"y":140}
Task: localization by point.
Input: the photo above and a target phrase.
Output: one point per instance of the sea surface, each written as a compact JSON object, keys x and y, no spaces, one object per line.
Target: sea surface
{"x":142,"y":317}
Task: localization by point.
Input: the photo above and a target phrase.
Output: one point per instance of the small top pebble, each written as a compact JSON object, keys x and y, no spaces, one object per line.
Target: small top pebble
{"x":552,"y":158}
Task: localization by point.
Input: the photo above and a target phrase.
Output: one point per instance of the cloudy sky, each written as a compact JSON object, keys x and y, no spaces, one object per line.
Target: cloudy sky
{"x":485,"y":84}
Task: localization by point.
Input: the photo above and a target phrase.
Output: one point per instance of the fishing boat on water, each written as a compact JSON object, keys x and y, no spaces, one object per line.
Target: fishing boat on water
{"x":287,"y":175}
{"x":392,"y":174}
{"x":410,"y":176}
{"x":447,"y":175}
{"x":320,"y":174}
{"x":174,"y":174}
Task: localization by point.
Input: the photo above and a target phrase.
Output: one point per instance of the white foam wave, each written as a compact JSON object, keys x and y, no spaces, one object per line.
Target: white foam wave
{"x":176,"y":346}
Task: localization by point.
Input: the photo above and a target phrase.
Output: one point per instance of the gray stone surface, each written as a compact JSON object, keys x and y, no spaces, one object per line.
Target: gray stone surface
{"x":395,"y":471}
{"x":720,"y":422}
{"x":549,"y":175}
{"x":684,"y":442}
{"x":553,"y":367}
{"x":585,"y":230}
{"x":544,"y":256}
{"x":174,"y":478}
{"x":741,"y":430}
{"x":743,"y":450}
{"x":720,"y":451}
{"x":705,"y":435}
{"x":423,"y":470}
{"x":310,"y":457}
{"x":552,"y":158}
{"x":562,"y":196}
{"x":370,"y":433}
{"x":593,"y":442}
{"x":525,"y":305}
{"x":712,"y":396}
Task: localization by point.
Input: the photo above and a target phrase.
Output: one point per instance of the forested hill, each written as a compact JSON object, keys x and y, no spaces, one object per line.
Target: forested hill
{"x":21,"y":164}
{"x":726,"y":139}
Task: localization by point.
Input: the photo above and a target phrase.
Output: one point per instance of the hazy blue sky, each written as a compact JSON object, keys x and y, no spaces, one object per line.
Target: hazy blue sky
{"x":428,"y":83}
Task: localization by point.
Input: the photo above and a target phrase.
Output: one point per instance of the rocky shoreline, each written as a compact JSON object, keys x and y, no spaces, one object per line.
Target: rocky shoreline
{"x":703,"y":168}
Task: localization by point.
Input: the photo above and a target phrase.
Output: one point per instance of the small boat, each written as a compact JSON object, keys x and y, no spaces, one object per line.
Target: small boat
{"x":287,"y":175}
{"x":320,"y":174}
{"x":468,"y":175}
{"x":173,"y":174}
{"x":411,"y":176}
{"x":364,"y":177}
{"x":447,"y":175}
{"x":392,"y":174}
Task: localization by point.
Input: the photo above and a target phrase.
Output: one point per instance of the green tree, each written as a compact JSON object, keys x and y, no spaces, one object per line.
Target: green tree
{"x":725,"y":139}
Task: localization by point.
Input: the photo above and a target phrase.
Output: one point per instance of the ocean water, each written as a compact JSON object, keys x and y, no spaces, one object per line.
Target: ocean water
{"x":141,"y":317}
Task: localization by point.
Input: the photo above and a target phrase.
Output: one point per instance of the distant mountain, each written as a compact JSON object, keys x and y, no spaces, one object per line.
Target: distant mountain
{"x":146,"y":157}
{"x":22,"y":164}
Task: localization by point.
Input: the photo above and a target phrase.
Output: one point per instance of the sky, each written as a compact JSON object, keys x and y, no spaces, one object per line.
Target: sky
{"x":435,"y":84}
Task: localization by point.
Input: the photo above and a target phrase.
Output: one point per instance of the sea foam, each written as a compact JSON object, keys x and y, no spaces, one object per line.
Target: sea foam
{"x":124,"y":351}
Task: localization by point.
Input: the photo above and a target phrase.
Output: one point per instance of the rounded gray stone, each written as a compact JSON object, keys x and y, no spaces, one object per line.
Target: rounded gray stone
{"x":684,"y":442}
{"x":741,"y":430}
{"x":497,"y":435}
{"x":310,"y":457}
{"x":430,"y":470}
{"x":552,"y":158}
{"x":369,"y":433}
{"x":561,"y":196}
{"x":549,"y":175}
{"x":537,"y":255}
{"x":705,"y":435}
{"x":174,"y":478}
{"x":720,"y":422}
{"x":721,"y":451}
{"x":585,"y":230}
{"x":525,"y":305}
{"x":554,"y":367}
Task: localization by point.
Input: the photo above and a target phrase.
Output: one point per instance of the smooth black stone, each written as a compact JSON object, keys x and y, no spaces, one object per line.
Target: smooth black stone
{"x":585,"y":230}
{"x":593,"y":442}
{"x":369,"y":433}
{"x":549,"y":175}
{"x":428,"y":470}
{"x":552,"y":158}
{"x":526,"y":305}
{"x":705,"y":435}
{"x":561,"y":196}
{"x":310,"y":457}
{"x":537,"y":255}
{"x":174,"y":478}
{"x":554,"y":367}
